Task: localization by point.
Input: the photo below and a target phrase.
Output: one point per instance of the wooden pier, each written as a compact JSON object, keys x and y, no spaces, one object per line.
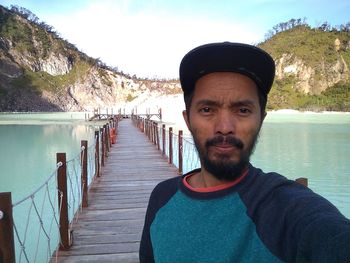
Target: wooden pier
{"x":109,"y":229}
{"x":98,"y":115}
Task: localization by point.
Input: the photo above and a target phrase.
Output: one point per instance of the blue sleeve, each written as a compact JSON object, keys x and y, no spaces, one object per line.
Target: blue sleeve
{"x":160,"y":195}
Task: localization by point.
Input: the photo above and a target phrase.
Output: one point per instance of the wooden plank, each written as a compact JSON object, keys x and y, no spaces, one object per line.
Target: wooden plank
{"x":108,"y":258}
{"x":109,"y":229}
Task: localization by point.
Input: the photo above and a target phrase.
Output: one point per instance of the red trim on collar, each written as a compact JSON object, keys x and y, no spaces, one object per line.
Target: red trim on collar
{"x":213,"y":188}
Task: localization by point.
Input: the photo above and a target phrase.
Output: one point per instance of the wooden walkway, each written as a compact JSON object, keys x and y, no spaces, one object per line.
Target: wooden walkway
{"x":109,"y":229}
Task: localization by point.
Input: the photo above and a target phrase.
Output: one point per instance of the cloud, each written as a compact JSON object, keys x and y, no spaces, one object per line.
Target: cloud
{"x":144,"y":43}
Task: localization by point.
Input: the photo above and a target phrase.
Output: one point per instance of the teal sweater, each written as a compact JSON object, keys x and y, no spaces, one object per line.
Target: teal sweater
{"x":264,"y":218}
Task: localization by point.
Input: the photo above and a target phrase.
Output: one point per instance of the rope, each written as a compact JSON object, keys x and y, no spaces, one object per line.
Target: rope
{"x":41,"y":205}
{"x":58,"y":165}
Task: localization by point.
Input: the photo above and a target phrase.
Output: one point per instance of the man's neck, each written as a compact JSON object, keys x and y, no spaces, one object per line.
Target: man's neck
{"x":204,"y":179}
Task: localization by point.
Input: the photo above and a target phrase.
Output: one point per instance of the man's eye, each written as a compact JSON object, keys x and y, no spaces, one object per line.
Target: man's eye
{"x":205,"y":110}
{"x":244,"y":110}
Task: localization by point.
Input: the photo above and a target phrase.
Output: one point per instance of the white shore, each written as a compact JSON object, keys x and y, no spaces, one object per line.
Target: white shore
{"x":291,"y":111}
{"x":173,"y":105}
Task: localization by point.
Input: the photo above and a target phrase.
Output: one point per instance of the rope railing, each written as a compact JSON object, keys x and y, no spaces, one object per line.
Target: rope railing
{"x":37,"y":208}
{"x":35,"y":228}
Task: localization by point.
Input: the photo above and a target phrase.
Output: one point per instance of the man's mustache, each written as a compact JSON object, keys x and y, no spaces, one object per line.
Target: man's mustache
{"x":221,"y":139}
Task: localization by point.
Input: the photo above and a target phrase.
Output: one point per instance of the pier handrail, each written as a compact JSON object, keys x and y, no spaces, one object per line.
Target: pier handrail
{"x":180,"y":150}
{"x":54,"y":216}
{"x":177,"y":148}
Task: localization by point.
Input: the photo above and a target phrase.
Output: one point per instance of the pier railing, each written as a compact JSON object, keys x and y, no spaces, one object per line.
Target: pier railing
{"x":43,"y":221}
{"x":179,"y":150}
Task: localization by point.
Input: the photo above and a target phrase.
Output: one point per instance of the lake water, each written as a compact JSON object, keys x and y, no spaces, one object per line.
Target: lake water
{"x":316,"y":146}
{"x":28,"y":147}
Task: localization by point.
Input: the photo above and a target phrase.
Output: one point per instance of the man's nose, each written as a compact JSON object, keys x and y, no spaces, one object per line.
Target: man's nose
{"x":225,"y":123}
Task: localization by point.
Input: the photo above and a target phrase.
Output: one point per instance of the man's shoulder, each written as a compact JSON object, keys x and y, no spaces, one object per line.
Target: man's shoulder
{"x":267,"y":177}
{"x":168,"y":183}
{"x":167,"y":187}
{"x":172,"y":184}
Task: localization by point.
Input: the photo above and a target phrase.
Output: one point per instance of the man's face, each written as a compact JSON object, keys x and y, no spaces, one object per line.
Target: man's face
{"x":225,"y":121}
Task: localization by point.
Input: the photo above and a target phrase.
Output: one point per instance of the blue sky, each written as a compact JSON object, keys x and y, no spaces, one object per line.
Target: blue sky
{"x":149,"y":38}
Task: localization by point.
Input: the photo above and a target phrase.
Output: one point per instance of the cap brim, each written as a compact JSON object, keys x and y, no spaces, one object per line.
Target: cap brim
{"x":227,"y":57}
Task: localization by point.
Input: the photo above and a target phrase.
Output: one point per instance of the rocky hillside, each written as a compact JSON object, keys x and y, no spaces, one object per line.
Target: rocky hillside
{"x":312,"y":67}
{"x":40,"y":71}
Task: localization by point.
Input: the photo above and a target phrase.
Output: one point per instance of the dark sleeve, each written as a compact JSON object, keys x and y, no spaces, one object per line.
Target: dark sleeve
{"x":296,"y":224}
{"x":160,"y":195}
{"x":326,"y":238}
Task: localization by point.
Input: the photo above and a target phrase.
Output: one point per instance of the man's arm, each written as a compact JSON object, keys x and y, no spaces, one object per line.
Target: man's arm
{"x":160,"y":195}
{"x":146,"y":250}
{"x":325,"y":239}
{"x":296,"y":224}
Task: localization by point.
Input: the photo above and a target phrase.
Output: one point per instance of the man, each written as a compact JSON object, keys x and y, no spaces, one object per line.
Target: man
{"x":228,"y":210}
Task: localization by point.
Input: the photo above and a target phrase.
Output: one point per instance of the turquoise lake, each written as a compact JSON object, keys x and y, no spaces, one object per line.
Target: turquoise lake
{"x":315,"y":146}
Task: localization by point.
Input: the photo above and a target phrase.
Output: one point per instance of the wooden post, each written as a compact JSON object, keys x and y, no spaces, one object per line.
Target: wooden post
{"x":302,"y":181}
{"x":160,"y":114}
{"x":170,"y":145}
{"x":97,"y":154}
{"x":62,"y":190}
{"x":7,"y":244}
{"x":102,"y":147}
{"x":107,"y":137}
{"x":154,"y":132}
{"x":110,"y":126}
{"x":116,"y":122}
{"x":84,"y":177}
{"x":148,"y":129}
{"x":180,"y":151}
{"x":157,"y":136}
{"x":163,"y":138}
{"x":105,"y":140}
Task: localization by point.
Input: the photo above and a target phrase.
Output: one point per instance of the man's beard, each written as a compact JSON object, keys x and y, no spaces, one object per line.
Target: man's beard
{"x":223,"y":168}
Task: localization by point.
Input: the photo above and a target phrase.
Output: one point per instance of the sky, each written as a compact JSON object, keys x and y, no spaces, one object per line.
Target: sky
{"x":149,"y":38}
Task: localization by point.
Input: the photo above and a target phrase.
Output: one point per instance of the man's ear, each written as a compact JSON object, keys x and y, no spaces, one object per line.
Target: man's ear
{"x":185,"y":115}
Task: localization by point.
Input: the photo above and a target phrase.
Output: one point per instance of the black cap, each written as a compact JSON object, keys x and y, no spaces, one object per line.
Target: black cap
{"x":227,"y":57}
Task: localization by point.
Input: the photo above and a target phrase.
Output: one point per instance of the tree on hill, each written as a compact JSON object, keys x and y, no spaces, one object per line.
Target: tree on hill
{"x":293,"y":23}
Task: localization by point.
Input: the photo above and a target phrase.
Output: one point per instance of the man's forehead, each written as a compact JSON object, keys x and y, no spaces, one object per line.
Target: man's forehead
{"x":222,"y":84}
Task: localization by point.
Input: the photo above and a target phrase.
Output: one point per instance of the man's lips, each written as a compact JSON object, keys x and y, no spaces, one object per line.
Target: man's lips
{"x":225,"y":142}
{"x":224,"y":147}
